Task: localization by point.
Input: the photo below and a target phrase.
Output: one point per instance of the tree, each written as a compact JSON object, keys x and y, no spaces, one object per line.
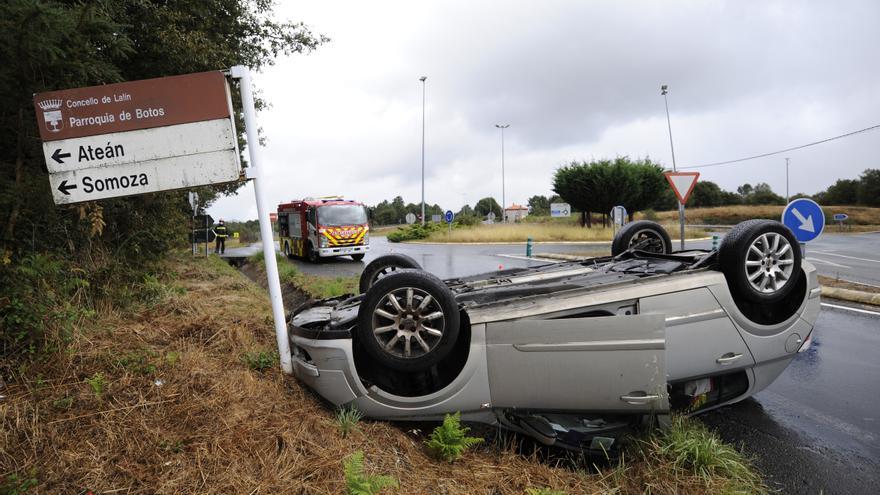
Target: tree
{"x":762,"y":194}
{"x":487,"y":204}
{"x":706,"y":194}
{"x":869,"y":187}
{"x":842,"y":192}
{"x":539,"y":205}
{"x":599,"y":185}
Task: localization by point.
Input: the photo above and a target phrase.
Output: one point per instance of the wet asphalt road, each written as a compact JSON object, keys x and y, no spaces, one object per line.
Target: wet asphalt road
{"x":816,"y":429}
{"x":850,"y":257}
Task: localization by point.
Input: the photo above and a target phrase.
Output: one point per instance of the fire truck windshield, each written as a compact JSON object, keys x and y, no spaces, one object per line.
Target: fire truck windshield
{"x":336,"y":215}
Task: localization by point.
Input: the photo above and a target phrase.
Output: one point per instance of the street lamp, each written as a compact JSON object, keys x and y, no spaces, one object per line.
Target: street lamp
{"x":423,"y":78}
{"x":503,"y":198}
{"x":663,"y":90}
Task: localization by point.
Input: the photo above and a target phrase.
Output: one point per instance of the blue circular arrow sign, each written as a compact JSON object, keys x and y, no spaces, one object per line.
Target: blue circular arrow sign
{"x":805,"y":218}
{"x":449,"y":216}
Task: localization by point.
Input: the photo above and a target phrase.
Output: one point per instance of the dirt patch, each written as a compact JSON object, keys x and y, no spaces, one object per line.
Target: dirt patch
{"x":292,"y":295}
{"x":845,"y":284}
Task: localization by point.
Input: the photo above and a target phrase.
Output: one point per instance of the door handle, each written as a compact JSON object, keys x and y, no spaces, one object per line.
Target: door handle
{"x":728,"y":358}
{"x":638,"y":399}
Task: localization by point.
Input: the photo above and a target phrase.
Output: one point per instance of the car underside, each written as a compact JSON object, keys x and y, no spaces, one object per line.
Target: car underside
{"x":569,"y":353}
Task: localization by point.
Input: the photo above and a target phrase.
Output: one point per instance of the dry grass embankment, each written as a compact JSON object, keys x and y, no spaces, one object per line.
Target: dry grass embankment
{"x":184,"y":396}
{"x":861,"y":218}
{"x":539,"y":232}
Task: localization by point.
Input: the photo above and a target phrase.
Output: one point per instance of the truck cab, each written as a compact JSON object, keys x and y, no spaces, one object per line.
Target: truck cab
{"x":323,"y":228}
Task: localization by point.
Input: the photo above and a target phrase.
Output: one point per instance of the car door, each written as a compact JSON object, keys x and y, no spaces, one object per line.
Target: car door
{"x":613,"y":363}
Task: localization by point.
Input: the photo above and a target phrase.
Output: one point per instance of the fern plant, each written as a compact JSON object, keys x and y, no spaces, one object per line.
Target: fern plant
{"x":359,"y":483}
{"x":449,"y":440}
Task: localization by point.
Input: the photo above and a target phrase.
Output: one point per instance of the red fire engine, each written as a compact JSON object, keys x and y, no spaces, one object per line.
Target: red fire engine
{"x":324,"y":227}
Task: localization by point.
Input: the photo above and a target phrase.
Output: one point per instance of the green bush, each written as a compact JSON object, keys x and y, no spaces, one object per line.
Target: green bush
{"x":347,"y":419}
{"x":260,"y":360}
{"x":359,"y":483}
{"x":449,"y":441}
{"x":414,"y":232}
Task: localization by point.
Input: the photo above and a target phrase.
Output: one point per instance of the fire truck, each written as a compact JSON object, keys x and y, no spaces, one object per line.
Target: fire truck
{"x":323,"y":228}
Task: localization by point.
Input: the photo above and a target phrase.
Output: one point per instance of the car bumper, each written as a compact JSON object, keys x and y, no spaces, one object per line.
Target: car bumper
{"x":343,"y":250}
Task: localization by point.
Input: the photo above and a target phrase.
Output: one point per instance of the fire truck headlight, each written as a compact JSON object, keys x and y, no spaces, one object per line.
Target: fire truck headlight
{"x":366,"y":238}
{"x":323,"y":242}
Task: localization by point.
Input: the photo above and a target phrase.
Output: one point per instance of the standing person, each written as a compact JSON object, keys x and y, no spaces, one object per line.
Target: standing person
{"x":221,"y":234}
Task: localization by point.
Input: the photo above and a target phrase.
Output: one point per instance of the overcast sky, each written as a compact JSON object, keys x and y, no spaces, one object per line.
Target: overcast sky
{"x":576,"y":80}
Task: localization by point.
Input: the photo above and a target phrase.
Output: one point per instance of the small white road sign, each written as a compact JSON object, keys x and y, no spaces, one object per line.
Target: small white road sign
{"x":560,"y":209}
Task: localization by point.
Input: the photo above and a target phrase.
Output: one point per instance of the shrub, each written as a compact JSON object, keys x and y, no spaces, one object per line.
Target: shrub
{"x":347,"y":419}
{"x":449,"y":441}
{"x":414,"y":232}
{"x":690,"y":446}
{"x":97,"y":384}
{"x":260,"y":360}
{"x":359,"y":483}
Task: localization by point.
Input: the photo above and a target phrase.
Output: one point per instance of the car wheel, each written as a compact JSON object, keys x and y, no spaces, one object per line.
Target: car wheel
{"x":761,"y":260}
{"x":357,"y":257}
{"x":383,"y":266}
{"x":312,"y":254}
{"x":287,"y":252}
{"x":644,"y":235}
{"x":408,"y":321}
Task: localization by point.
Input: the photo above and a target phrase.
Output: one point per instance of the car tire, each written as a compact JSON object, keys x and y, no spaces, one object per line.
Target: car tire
{"x":357,"y":257}
{"x":287,"y":252}
{"x":634,"y":233}
{"x":408,"y":321}
{"x":312,"y":254}
{"x":761,"y":260}
{"x":383,"y":266}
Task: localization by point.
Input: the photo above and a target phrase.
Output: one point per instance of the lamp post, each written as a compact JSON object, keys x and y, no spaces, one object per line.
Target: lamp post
{"x":423,"y":78}
{"x":503,"y":198}
{"x":786,"y":181}
{"x":663,"y":90}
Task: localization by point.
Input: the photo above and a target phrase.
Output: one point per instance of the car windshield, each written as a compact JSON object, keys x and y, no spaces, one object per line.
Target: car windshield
{"x":342,"y":215}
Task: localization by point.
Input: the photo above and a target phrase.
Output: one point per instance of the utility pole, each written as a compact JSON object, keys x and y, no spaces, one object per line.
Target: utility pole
{"x":503,"y":198}
{"x":786,"y":180}
{"x":663,"y":90}
{"x":423,"y":78}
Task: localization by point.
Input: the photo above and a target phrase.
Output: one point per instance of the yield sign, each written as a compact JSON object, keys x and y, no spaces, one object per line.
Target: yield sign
{"x":682,"y":183}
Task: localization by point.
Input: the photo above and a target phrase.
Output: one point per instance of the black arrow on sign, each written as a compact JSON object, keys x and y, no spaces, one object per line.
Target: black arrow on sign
{"x":63,"y":187}
{"x":58,"y":155}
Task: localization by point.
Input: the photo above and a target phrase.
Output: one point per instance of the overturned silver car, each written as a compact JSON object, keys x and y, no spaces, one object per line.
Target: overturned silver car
{"x":571,"y":353}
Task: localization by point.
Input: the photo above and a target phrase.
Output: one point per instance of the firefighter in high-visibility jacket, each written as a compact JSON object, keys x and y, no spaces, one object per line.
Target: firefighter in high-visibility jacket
{"x":220,"y":233}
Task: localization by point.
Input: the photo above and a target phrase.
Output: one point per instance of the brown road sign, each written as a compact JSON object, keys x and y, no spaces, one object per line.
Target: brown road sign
{"x":81,"y":112}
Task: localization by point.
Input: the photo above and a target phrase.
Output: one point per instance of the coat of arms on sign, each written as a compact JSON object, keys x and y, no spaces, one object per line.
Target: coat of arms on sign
{"x":52,"y":114}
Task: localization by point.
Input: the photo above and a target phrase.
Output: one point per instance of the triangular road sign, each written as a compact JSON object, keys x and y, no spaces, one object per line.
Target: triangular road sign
{"x":682,"y":183}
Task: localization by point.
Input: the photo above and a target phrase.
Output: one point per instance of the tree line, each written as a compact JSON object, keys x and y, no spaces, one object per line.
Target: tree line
{"x":595,"y":187}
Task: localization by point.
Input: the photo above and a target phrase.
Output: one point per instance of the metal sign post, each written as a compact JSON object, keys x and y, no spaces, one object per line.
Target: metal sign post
{"x":255,"y":172}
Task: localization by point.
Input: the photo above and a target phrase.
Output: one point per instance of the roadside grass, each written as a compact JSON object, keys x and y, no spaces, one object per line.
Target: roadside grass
{"x":860,"y":217}
{"x":205,"y":421}
{"x":316,"y":286}
{"x":539,"y":232}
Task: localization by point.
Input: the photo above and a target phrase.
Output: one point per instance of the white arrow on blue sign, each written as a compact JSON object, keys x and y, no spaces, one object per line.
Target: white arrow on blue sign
{"x":805,"y":219}
{"x":449,"y":216}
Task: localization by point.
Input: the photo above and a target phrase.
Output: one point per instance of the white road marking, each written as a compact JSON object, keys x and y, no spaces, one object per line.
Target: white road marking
{"x":826,"y":262}
{"x":847,"y":308}
{"x":845,"y":256}
{"x":526,"y":258}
